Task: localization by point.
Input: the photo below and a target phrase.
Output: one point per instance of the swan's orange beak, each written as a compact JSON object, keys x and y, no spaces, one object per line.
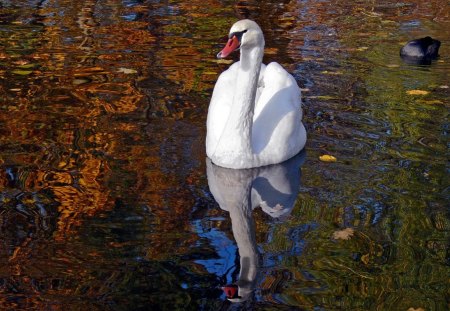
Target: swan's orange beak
{"x":232,"y":44}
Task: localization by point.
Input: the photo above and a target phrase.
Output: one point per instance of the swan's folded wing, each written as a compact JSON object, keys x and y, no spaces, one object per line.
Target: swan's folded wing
{"x":277,"y":79}
{"x":279,"y":88}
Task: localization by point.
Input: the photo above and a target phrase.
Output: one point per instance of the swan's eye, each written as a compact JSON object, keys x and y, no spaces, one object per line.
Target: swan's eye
{"x":238,"y":34}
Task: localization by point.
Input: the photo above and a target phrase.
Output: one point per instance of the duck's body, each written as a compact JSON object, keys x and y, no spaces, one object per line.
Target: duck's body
{"x":254,"y":117}
{"x":421,"y":50}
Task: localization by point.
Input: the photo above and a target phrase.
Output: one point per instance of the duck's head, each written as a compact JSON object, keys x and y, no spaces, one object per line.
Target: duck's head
{"x":244,"y":34}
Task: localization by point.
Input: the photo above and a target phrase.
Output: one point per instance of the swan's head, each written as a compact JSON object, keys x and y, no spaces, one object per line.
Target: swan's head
{"x":237,"y":293}
{"x":243,"y":34}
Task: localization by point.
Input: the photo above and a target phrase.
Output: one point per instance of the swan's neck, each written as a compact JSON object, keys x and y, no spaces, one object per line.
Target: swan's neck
{"x":244,"y":233}
{"x":237,"y":134}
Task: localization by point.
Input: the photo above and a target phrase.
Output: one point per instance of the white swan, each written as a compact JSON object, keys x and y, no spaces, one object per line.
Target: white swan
{"x":254,"y":118}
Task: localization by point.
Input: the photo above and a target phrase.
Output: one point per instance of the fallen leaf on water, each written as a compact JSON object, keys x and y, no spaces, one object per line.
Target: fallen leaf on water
{"x":392,"y":66}
{"x":327,"y":158}
{"x":417,"y":92}
{"x":443,"y":87}
{"x":323,"y":97}
{"x":344,"y":234}
{"x":22,"y":72}
{"x":223,"y":61}
{"x":386,"y":21}
{"x":432,"y":102}
{"x":365,"y":259}
{"x":20,"y":62}
{"x":126,"y":70}
{"x":286,"y":21}
{"x":79,"y":81}
{"x":27,"y":66}
{"x":333,"y":73}
{"x":317,"y":59}
{"x":178,"y":115}
{"x":414,"y":309}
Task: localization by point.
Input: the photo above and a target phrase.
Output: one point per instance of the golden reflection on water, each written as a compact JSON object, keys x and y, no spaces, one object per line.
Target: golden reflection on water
{"x":102,"y":113}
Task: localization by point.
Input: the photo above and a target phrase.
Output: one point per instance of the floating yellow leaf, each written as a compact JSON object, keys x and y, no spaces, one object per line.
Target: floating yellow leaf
{"x":417,"y":92}
{"x":362,"y":48}
{"x":223,"y":61}
{"x":365,"y":259}
{"x":22,"y":72}
{"x":126,"y":70}
{"x":21,"y":62}
{"x":327,"y":158}
{"x":28,"y":201}
{"x":79,"y":81}
{"x":332,"y":73}
{"x":27,"y":66}
{"x":323,"y":97}
{"x":432,"y":102}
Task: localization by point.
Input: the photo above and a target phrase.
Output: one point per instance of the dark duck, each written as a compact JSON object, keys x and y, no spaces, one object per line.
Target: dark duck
{"x":420,"y":51}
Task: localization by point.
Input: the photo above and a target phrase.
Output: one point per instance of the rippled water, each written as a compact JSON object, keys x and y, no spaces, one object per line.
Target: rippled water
{"x":107,"y":202}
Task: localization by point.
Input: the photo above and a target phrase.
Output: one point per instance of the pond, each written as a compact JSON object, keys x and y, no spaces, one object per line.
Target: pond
{"x":107,"y":200}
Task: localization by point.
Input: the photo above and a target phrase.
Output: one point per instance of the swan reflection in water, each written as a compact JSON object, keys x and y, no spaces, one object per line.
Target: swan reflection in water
{"x":274,"y":188}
